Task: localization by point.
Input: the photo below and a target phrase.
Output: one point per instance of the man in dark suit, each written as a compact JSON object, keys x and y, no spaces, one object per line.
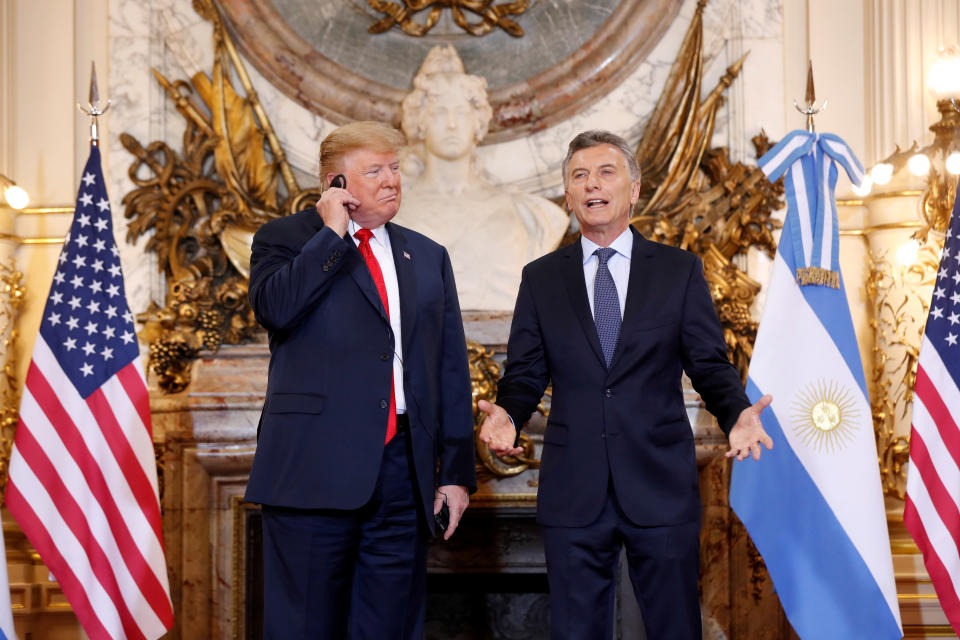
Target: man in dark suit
{"x":367,"y":427}
{"x":613,"y":320}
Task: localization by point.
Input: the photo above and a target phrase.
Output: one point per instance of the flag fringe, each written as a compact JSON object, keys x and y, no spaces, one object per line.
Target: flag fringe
{"x":818,"y":276}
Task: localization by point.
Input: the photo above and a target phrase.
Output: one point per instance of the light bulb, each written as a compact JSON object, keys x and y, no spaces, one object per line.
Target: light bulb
{"x":953,"y":163}
{"x":882,"y":173}
{"x":919,"y":164}
{"x":944,"y":75}
{"x":907,"y":253}
{"x":16,"y":197}
{"x":863,"y":189}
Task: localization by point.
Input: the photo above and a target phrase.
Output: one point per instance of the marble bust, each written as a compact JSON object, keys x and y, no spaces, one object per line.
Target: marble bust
{"x":491,"y":232}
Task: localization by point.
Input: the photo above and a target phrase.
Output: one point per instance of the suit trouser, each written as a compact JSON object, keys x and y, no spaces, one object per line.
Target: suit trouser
{"x":664,"y":566}
{"x":332,"y":574}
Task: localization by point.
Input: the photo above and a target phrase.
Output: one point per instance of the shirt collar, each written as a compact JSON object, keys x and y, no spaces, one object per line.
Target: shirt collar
{"x":379,"y":233}
{"x":622,"y":245}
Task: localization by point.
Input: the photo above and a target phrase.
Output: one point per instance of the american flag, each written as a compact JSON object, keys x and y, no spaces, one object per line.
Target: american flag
{"x":931,"y":513}
{"x":83,"y":480}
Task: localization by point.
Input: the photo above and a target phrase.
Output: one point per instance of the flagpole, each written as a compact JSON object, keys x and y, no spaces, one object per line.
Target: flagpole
{"x":82,"y":479}
{"x":811,"y":98}
{"x":94,"y":108}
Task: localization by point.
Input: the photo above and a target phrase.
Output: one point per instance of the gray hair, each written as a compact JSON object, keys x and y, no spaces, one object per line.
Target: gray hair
{"x":595,"y":138}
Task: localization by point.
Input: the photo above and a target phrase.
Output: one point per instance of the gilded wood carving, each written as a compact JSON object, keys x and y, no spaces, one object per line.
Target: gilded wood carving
{"x":491,"y":15}
{"x":202,"y":207}
{"x":900,"y":298}
{"x":12,"y":293}
{"x":695,"y":198}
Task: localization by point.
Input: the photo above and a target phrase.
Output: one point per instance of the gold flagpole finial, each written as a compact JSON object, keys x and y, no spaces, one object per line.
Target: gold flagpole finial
{"x":94,"y":109}
{"x":811,"y":108}
{"x":811,"y":96}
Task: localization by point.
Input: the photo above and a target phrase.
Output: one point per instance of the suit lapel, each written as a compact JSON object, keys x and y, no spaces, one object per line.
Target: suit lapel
{"x":361,"y":275}
{"x":572,"y":266}
{"x":636,"y":289}
{"x":403,"y":258}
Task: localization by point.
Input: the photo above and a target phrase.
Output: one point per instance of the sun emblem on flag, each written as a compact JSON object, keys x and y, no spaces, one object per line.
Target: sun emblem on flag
{"x":825,"y":415}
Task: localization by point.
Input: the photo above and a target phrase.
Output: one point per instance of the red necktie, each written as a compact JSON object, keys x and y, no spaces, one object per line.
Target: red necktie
{"x":364,"y":235}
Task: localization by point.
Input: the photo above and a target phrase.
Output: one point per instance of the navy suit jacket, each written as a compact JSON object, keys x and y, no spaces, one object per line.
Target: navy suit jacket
{"x":628,"y":423}
{"x":321,"y":434}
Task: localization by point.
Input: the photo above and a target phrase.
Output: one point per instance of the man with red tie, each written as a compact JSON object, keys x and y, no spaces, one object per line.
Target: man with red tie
{"x":367,"y":426}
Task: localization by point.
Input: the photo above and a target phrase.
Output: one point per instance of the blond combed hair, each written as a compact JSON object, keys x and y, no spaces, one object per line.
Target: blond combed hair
{"x":365,"y":134}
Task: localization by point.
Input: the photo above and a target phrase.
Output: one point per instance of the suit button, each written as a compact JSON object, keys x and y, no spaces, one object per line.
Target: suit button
{"x":384,"y":356}
{"x":603,"y":435}
{"x":384,"y":404}
{"x":608,"y":393}
{"x":326,"y":267}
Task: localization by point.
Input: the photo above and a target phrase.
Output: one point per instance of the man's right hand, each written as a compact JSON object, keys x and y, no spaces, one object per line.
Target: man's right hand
{"x":334,"y":206}
{"x":497,"y":430}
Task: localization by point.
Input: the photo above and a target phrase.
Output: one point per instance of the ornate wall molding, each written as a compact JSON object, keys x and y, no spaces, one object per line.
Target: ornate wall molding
{"x":341,"y":95}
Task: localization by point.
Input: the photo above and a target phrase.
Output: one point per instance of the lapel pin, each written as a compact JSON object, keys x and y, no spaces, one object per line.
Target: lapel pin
{"x":406,"y":255}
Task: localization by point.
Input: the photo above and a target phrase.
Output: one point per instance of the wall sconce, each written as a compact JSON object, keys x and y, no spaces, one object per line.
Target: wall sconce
{"x":938,"y":161}
{"x":15,"y":196}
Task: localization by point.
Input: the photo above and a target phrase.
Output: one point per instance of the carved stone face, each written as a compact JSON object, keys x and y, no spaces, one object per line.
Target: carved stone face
{"x":449,"y":124}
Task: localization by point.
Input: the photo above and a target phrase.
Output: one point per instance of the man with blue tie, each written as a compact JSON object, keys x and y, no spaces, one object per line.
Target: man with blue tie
{"x":613,"y":320}
{"x":367,"y":426}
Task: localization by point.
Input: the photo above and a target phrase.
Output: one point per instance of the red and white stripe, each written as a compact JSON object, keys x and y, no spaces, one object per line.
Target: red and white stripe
{"x":932,"y":510}
{"x":83,"y":486}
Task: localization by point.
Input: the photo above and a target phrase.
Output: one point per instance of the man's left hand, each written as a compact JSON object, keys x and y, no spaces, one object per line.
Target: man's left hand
{"x":747,"y":434}
{"x":457,"y":500}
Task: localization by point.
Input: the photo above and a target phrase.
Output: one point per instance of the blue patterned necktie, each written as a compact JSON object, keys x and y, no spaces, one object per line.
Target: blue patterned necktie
{"x":606,"y":305}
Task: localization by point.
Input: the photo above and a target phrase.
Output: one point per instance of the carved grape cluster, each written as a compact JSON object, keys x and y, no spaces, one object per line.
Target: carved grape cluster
{"x":208,"y":325}
{"x":170,"y":358}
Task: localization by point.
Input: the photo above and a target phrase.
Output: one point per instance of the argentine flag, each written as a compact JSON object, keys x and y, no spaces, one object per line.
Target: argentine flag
{"x":813,"y":505}
{"x":6,"y":611}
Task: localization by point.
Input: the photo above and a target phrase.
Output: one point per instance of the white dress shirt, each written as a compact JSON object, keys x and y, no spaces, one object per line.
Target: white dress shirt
{"x":619,"y":265}
{"x":380,"y":243}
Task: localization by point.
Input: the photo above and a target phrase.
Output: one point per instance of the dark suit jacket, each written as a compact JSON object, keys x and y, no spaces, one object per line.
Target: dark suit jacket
{"x":628,"y":423}
{"x":321,"y":434}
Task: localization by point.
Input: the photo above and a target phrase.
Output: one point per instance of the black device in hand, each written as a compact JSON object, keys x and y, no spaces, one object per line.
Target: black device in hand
{"x":339,"y":181}
{"x":442,"y":517}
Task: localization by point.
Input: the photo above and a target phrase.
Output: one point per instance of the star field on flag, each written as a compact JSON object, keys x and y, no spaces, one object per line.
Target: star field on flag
{"x":87,"y":322}
{"x":943,"y":325}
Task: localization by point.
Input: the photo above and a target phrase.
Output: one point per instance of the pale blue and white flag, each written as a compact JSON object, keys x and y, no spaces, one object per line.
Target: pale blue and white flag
{"x":813,"y":505}
{"x":6,"y":610}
